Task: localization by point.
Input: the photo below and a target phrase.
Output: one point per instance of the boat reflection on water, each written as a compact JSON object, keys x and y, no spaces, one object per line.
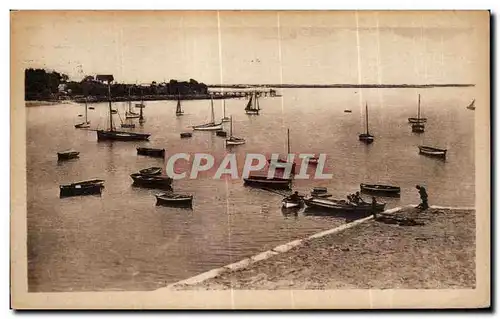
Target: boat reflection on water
{"x":291,"y":212}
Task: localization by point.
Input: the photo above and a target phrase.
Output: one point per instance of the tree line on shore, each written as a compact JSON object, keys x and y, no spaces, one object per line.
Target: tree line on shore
{"x":43,"y":85}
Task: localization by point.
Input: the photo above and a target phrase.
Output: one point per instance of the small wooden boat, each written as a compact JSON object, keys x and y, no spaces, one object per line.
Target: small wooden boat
{"x":342,"y":205}
{"x":253,"y":106}
{"x":221,"y":133}
{"x":263,"y":181}
{"x":86,"y":123}
{"x":151,"y":181}
{"x":366,"y":137}
{"x":225,"y":118}
{"x":89,"y":187}
{"x":178,"y":110}
{"x":151,"y":171}
{"x":210,"y":126}
{"x":68,"y":154}
{"x":418,"y":119}
{"x":233,"y":140}
{"x":320,"y":192}
{"x":172,"y":199}
{"x":114,"y":111}
{"x":186,"y":134}
{"x":471,"y":105}
{"x":347,"y":111}
{"x":129,"y":114}
{"x":292,"y":203}
{"x":91,"y":108}
{"x":380,"y":189}
{"x":153,"y":152}
{"x":432,"y":151}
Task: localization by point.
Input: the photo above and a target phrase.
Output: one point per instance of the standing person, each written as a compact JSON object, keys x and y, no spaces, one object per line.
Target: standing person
{"x":374,"y":207}
{"x":423,"y":197}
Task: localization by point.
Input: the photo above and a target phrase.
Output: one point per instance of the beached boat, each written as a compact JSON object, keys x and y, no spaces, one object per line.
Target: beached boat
{"x":172,"y":199}
{"x":253,"y":106}
{"x":224,"y":117}
{"x":233,"y":140}
{"x":366,"y":137}
{"x":151,"y":181}
{"x":186,"y":134}
{"x":263,"y":181}
{"x":86,"y":123}
{"x":432,"y":151}
{"x":178,"y":109}
{"x":210,"y":126}
{"x":342,"y":205}
{"x":151,"y":171}
{"x":88,"y":187}
{"x":418,"y":119}
{"x":153,"y":152}
{"x":471,"y":106}
{"x":66,"y":155}
{"x":380,"y":189}
{"x":112,"y":133}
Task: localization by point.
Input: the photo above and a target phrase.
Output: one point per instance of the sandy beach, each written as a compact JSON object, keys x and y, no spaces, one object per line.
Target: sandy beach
{"x":434,"y":249}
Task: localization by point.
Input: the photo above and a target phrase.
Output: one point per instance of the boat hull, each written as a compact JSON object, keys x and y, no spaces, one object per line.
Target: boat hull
{"x":186,"y":135}
{"x":121,"y":136}
{"x":149,"y":181}
{"x":67,"y":156}
{"x":380,"y":189}
{"x":151,"y":171}
{"x":235,"y":142}
{"x":433,"y":152}
{"x":268,"y":183}
{"x":252,"y":112}
{"x":214,"y":127}
{"x":83,"y":125}
{"x":153,"y":152}
{"x":414,"y":120}
{"x":174,"y":202}
{"x":342,"y":206}
{"x":366,"y":138}
{"x":81,"y":189}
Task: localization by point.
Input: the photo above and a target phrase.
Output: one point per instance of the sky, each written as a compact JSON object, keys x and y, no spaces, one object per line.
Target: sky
{"x":232,"y":47}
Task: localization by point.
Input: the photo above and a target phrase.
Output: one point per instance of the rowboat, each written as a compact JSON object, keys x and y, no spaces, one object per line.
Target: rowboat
{"x":151,"y":181}
{"x":172,"y":199}
{"x":151,"y":171}
{"x":292,"y":203}
{"x":186,"y":134}
{"x":432,"y":151}
{"x":264,"y":181}
{"x":342,"y":205}
{"x":88,"y":187}
{"x":66,"y":155}
{"x":154,"y":152}
{"x":321,"y":192}
{"x":380,"y":189}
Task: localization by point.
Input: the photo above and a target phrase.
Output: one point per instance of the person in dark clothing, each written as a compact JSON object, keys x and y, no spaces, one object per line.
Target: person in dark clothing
{"x":295,"y":196}
{"x":423,"y":197}
{"x":374,"y":207}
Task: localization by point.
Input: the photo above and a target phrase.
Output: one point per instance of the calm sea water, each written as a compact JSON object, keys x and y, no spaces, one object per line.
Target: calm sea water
{"x":122,"y":241}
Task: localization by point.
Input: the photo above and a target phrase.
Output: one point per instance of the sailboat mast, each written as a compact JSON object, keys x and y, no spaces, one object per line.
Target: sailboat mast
{"x":110,"y":110}
{"x":366,"y":111}
{"x":142,"y":106}
{"x":288,"y":140}
{"x":231,"y":127}
{"x":86,"y":121}
{"x":418,"y":114}
{"x":224,"y":106}
{"x":212,"y":107}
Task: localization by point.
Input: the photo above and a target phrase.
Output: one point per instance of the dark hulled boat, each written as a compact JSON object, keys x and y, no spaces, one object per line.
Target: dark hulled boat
{"x":175,"y":200}
{"x":186,"y":134}
{"x":432,"y":151}
{"x":342,"y":206}
{"x":66,"y":155}
{"x":253,"y":106}
{"x":320,"y":192}
{"x":88,"y":187}
{"x":152,"y":181}
{"x":418,"y":119}
{"x":380,"y":189}
{"x":258,"y":180}
{"x":153,"y":152}
{"x":151,"y":171}
{"x":366,"y":137}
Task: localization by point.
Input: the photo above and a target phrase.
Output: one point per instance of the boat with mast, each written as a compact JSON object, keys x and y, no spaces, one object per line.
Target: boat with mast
{"x":224,"y":118}
{"x":210,"y":126}
{"x":253,"y":106}
{"x":417,"y":119}
{"x":178,"y":110}
{"x":111,"y":133}
{"x":86,"y":123}
{"x":366,"y":137}
{"x":141,"y":106}
{"x":418,"y":126}
{"x":129,"y":114}
{"x":471,"y":106}
{"x":233,"y":140}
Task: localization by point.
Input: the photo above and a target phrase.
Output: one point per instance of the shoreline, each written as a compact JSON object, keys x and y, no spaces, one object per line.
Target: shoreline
{"x":402,"y":248}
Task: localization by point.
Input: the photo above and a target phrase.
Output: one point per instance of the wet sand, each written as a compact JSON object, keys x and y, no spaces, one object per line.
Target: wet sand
{"x":435,"y":250}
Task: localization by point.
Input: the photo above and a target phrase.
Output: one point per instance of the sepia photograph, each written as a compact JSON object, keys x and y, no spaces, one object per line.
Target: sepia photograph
{"x":250,"y":159}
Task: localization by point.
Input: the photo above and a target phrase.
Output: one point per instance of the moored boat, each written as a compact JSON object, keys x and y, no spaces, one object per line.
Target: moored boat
{"x":86,"y":123}
{"x":68,"y":154}
{"x":253,"y":106}
{"x":151,"y":171}
{"x":418,"y":119}
{"x":151,"y":181}
{"x":366,"y":137}
{"x":210,"y":126}
{"x":471,"y":106}
{"x":380,"y":189}
{"x":263,"y":181}
{"x":233,"y":140}
{"x":432,"y":151}
{"x":153,"y":152}
{"x":347,"y":111}
{"x":342,"y":205}
{"x":178,"y":110}
{"x":172,"y":199}
{"x":186,"y":134}
{"x":88,"y":187}
{"x":320,"y":192}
